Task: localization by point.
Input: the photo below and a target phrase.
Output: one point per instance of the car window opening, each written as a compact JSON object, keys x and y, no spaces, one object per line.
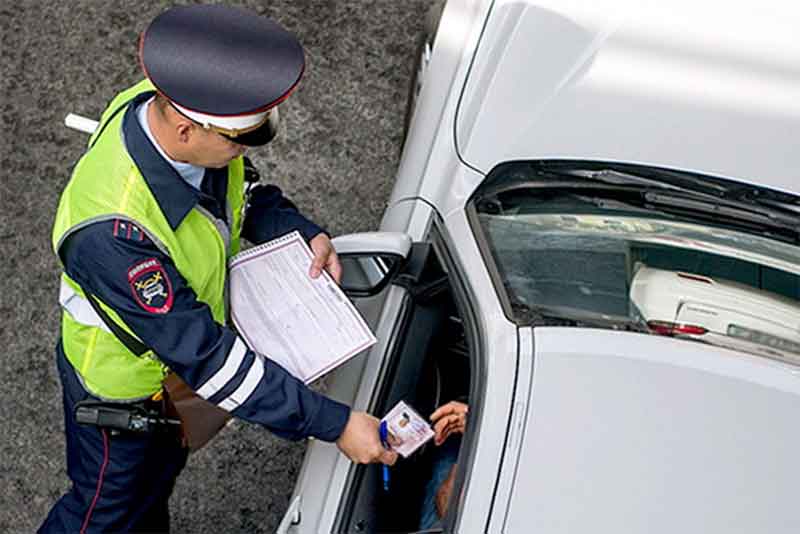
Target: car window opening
{"x":653,"y":251}
{"x":430,"y":368}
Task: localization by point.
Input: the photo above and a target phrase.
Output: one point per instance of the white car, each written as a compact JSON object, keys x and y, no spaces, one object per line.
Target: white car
{"x":553,"y":146}
{"x":717,"y":311}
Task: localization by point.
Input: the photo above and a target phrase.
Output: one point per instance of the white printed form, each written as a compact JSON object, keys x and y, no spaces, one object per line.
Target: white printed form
{"x":308,"y":326}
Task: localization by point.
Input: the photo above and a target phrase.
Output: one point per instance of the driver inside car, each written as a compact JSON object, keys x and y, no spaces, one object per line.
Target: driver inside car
{"x":448,"y":420}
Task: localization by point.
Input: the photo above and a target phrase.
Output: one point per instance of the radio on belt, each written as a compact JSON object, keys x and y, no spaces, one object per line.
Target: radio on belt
{"x":120,"y":417}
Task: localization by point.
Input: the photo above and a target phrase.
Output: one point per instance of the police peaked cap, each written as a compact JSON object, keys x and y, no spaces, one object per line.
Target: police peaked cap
{"x":222,"y":67}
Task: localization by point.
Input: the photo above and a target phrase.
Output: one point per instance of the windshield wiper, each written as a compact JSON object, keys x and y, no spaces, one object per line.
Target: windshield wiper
{"x":744,"y":208}
{"x":759,"y":211}
{"x":635,"y":205}
{"x":754,"y":216}
{"x":629,"y":174}
{"x":784,"y":207}
{"x":615,"y":177}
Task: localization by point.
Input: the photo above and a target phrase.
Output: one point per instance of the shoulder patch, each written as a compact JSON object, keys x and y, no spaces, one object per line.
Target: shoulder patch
{"x":127,"y":230}
{"x":151,"y":286}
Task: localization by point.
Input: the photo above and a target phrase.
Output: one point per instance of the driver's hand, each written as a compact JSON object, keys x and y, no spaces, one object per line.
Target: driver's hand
{"x":448,"y":419}
{"x":361,"y":441}
{"x":324,"y":258}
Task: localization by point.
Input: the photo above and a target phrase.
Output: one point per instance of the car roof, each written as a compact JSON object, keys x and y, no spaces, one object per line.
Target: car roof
{"x":710,"y":87}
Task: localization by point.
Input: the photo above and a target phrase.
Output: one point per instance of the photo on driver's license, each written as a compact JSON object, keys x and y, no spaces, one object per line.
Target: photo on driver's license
{"x":408,"y":430}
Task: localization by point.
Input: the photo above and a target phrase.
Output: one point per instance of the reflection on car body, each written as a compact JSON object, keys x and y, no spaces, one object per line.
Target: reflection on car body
{"x":718,"y":311}
{"x":605,"y":267}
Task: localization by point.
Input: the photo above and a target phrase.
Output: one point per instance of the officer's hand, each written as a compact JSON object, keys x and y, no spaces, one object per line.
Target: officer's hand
{"x":361,"y":441}
{"x":324,"y":258}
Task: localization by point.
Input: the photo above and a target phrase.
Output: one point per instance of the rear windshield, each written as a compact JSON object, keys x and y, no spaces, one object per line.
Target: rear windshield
{"x":660,"y":252}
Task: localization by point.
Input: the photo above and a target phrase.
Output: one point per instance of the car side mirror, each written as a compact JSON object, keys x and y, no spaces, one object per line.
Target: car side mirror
{"x":364,"y":276}
{"x":370,"y":260}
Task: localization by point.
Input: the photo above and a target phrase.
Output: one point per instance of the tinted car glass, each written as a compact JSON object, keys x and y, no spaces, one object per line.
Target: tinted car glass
{"x":629,"y":247}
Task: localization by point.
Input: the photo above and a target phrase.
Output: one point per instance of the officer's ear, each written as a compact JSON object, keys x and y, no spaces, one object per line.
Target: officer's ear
{"x":180,"y":125}
{"x":184,"y":130}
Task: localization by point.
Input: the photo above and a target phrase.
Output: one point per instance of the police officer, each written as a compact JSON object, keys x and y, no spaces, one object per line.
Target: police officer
{"x":152,"y":212}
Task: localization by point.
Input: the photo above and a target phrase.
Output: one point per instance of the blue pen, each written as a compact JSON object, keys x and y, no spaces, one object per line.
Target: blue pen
{"x":384,"y":434}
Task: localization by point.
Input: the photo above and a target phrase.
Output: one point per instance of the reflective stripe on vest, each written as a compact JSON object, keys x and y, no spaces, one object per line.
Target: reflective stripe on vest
{"x":79,"y":307}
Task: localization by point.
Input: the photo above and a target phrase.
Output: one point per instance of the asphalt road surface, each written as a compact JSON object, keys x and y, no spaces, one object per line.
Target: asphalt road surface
{"x":335,"y":157}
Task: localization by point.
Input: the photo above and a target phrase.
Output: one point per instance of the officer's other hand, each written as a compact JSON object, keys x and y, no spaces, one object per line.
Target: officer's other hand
{"x":361,"y":442}
{"x":324,"y":258}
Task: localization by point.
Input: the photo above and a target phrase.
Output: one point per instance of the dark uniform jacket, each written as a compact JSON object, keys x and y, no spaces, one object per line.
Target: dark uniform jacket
{"x":186,"y":338}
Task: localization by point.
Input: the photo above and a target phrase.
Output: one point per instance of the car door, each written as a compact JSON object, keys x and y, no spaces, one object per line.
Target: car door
{"x":370,"y":261}
{"x":410,"y":373}
{"x":409,"y":314}
{"x":494,"y":345}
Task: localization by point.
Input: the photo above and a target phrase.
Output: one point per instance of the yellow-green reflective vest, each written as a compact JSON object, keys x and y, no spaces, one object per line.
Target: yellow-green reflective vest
{"x":106,"y":184}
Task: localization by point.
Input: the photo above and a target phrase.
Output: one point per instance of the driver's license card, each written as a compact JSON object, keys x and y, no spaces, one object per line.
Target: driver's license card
{"x":408,"y":428}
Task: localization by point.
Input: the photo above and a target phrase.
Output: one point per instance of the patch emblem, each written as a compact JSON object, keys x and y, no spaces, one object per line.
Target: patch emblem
{"x":151,"y":286}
